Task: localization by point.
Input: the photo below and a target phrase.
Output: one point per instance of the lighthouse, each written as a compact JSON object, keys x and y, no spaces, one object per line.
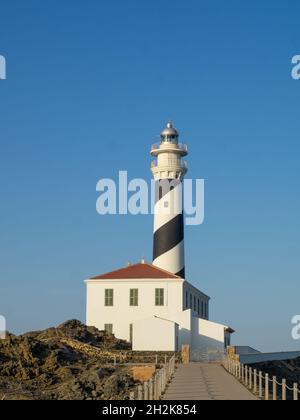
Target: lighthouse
{"x":168,"y":170}
{"x":157,"y":298}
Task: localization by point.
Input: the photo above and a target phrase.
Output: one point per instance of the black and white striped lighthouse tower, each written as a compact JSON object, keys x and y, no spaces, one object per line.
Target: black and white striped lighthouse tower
{"x":168,"y":171}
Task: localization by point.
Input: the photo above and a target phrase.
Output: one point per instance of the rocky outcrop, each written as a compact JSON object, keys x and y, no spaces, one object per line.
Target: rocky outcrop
{"x":66,"y":362}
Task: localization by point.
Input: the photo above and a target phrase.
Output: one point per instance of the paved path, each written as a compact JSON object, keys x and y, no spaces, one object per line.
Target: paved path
{"x":205,"y":381}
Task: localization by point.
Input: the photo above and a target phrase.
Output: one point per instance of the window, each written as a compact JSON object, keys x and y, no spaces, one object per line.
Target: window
{"x":205,"y":310}
{"x":130,"y":333}
{"x":194,"y":303}
{"x":109,"y":297}
{"x":186,"y":300}
{"x":227,"y":341}
{"x":191,"y":301}
{"x":159,"y":297}
{"x":202,"y":308}
{"x":108,"y":328}
{"x":198,"y":307}
{"x":160,"y":192}
{"x":134,"y":297}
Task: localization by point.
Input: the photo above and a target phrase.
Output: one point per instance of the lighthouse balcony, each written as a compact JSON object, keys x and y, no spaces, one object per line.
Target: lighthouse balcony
{"x":180,"y":148}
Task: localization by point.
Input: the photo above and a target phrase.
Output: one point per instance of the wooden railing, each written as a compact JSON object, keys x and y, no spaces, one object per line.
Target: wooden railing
{"x":154,"y":388}
{"x":261,"y":384}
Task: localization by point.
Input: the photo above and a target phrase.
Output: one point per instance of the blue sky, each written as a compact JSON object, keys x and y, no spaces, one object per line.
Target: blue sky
{"x":89,"y":87}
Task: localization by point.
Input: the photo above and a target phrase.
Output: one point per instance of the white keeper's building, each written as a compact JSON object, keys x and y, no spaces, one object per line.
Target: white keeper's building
{"x":152,"y":305}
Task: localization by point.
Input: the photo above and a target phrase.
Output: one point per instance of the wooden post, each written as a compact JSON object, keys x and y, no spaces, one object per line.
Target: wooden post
{"x":266,"y":386}
{"x":250,"y":378}
{"x":255,"y":381}
{"x":295,"y":391}
{"x":274,"y":392}
{"x":146,"y":390}
{"x":151,"y":389}
{"x":283,"y":385}
{"x":165,"y":359}
{"x":260,"y":384}
{"x":115,"y":360}
{"x":243,"y":373}
{"x":156,"y":359}
{"x":173,"y":365}
{"x":246,"y":375}
{"x":131,"y":395}
{"x":158,"y":385}
{"x":154,"y":388}
{"x":140,"y":392}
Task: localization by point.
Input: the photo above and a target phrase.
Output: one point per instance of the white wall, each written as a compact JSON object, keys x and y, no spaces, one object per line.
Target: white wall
{"x":192,"y":330}
{"x":155,"y":334}
{"x":207,"y":335}
{"x":190,"y":290}
{"x":121,"y":315}
{"x":184,"y":319}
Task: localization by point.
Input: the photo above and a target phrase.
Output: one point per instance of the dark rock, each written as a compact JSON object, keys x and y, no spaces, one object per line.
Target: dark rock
{"x":282,"y":369}
{"x":46,"y":365}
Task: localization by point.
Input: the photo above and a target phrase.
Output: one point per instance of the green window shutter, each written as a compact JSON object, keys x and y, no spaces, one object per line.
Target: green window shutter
{"x":134,"y":297}
{"x":109,"y":297}
{"x":159,"y":297}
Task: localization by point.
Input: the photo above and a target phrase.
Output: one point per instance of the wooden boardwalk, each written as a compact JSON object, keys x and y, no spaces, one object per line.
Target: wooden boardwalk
{"x":205,"y":381}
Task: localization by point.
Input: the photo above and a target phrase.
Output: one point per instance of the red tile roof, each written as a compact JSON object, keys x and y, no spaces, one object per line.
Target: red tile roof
{"x":137,"y":271}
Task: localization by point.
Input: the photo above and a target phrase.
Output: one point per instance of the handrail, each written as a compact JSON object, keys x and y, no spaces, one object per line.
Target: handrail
{"x":154,"y":388}
{"x":248,"y":376}
{"x":181,"y":146}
